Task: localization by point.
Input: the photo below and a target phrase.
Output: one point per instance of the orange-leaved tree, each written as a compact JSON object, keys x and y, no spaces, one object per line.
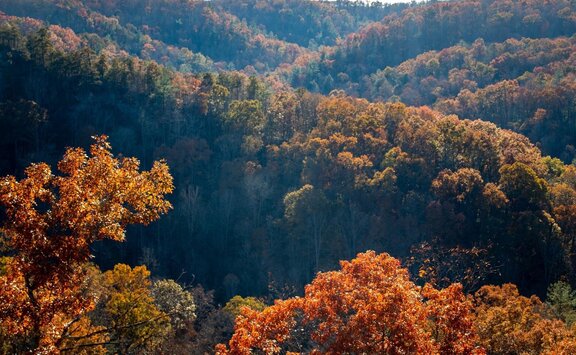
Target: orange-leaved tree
{"x":509,"y":323}
{"x":370,"y":306}
{"x":51,"y":221}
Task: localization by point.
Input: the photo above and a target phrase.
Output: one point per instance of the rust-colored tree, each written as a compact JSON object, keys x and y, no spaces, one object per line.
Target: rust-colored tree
{"x":508,"y":323}
{"x":370,"y":306}
{"x":51,"y":221}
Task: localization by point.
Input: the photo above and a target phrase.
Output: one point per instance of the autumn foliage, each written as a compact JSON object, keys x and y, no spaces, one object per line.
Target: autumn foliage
{"x":276,"y":183}
{"x":509,"y":323}
{"x":52,"y":219}
{"x":369,"y":306}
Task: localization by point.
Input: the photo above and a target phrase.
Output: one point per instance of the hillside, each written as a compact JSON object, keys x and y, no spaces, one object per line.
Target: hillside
{"x":297,"y":134}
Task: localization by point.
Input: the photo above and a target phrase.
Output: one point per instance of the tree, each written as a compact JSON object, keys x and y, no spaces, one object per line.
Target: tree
{"x":136,"y":323}
{"x":179,"y":304}
{"x":306,"y":208}
{"x":175,"y":301}
{"x":213,"y":325}
{"x":562,"y":299}
{"x":237,"y":303}
{"x":459,"y":196}
{"x":370,"y":306}
{"x":246,"y":116}
{"x":51,"y":221}
{"x":526,"y":191}
{"x":508,"y":323}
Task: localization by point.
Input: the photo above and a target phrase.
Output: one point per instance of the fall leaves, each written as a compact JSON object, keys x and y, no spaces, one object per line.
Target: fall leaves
{"x":52,"y":219}
{"x":507,"y":322}
{"x":52,"y":299}
{"x":370,"y":306}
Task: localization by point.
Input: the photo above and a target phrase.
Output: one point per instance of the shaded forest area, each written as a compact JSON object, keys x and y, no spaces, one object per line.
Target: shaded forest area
{"x":299,"y":134}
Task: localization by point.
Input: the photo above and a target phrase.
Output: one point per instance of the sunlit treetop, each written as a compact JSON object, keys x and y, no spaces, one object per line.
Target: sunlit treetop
{"x":51,"y":221}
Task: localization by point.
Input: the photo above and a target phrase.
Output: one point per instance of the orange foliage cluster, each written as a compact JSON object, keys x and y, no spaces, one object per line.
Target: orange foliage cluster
{"x":370,"y":306}
{"x":508,"y":323}
{"x":53,"y":220}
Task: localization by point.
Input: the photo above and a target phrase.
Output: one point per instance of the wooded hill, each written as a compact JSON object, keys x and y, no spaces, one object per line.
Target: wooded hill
{"x":299,"y":134}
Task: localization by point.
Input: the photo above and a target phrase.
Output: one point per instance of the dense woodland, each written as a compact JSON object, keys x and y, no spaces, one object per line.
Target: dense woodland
{"x":190,"y":177}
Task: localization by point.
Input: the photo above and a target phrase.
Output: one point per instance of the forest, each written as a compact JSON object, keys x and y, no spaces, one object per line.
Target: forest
{"x":287,"y":176}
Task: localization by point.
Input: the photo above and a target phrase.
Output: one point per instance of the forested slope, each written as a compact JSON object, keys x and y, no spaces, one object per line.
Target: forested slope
{"x":441,"y":133}
{"x":397,"y":38}
{"x":190,"y":35}
{"x":247,"y":160}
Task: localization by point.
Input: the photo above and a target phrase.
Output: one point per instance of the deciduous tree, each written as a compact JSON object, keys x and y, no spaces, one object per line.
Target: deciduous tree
{"x":370,"y":306}
{"x":508,"y":323}
{"x":51,"y":221}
